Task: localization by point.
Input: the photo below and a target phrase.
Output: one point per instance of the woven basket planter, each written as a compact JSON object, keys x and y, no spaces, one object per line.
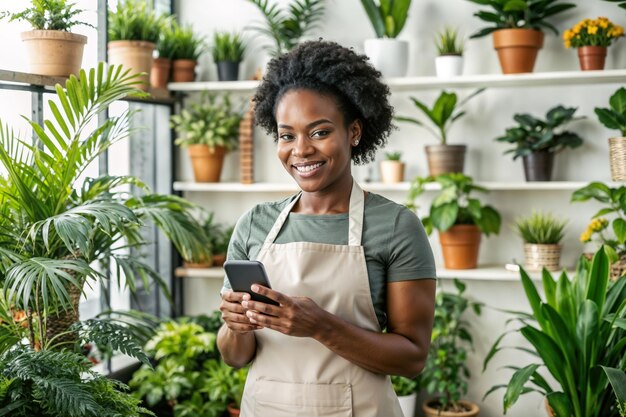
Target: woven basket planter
{"x":539,"y":256}
{"x":617,"y":153}
{"x":617,"y":268}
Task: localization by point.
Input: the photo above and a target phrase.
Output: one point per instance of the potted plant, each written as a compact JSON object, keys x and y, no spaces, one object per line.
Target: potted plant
{"x":226,"y":385}
{"x":287,"y":27}
{"x":517,"y":29}
{"x":162,"y":65}
{"x":189,"y":47}
{"x":442,"y":158}
{"x":220,"y":244}
{"x":542,"y":234}
{"x":445,"y":374}
{"x":537,"y":141}
{"x":208,"y":129}
{"x":614,"y":202}
{"x":615,"y":118}
{"x":52,"y":49}
{"x":592,"y":38}
{"x":133,"y":32}
{"x":392,"y":169}
{"x":406,"y":390}
{"x":575,"y":335}
{"x":459,"y":218}
{"x":386,"y":53}
{"x":449,"y":63}
{"x":228,"y":50}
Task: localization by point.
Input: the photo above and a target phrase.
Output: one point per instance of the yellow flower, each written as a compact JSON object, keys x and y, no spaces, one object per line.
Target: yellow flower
{"x":577,"y":28}
{"x":585,"y":236}
{"x":568,"y":44}
{"x":603,"y":23}
{"x":568,"y":35}
{"x":592,"y":30}
{"x":598,"y":224}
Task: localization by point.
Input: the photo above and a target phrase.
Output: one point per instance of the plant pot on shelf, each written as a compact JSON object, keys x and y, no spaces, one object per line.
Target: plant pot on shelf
{"x":445,"y":158}
{"x":54,"y":53}
{"x":592,"y":57}
{"x":407,"y":404}
{"x":538,"y":166}
{"x":617,"y":154}
{"x":134,"y":55}
{"x":460,"y":245}
{"x":233,"y":411}
{"x":517,"y":49}
{"x":160,"y":74}
{"x":219,"y":259}
{"x":430,"y":410}
{"x":203,"y":263}
{"x":206,"y":162}
{"x":538,"y":256}
{"x":183,"y":70}
{"x":389,"y":56}
{"x":391,"y":171}
{"x":228,"y":70}
{"x":448,"y":66}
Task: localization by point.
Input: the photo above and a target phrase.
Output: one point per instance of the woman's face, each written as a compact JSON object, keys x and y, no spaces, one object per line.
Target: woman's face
{"x":314,"y":144}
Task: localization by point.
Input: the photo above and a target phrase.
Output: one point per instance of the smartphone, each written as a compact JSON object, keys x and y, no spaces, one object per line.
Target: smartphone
{"x":242,"y":274}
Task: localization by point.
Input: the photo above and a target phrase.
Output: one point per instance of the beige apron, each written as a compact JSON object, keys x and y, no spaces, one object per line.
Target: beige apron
{"x":300,"y":377}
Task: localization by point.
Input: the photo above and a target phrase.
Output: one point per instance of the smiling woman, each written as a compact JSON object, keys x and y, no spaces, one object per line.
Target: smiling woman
{"x":343,"y":264}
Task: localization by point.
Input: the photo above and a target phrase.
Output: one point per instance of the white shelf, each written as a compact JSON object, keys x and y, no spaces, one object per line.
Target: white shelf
{"x":212,"y":273}
{"x":273,"y":187}
{"x":535,"y":79}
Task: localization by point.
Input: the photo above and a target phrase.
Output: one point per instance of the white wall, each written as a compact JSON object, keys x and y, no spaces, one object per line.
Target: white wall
{"x":488,"y":116}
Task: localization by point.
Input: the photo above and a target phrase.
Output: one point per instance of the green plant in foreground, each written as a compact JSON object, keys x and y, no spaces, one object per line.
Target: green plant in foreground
{"x":540,"y":228}
{"x":443,"y":114}
{"x":227,"y":47}
{"x":387,"y":17}
{"x":188,"y":44}
{"x":393,"y":156}
{"x":615,"y":116}
{"x":49,"y":15}
{"x":134,"y":20}
{"x":453,"y":205}
{"x":448,"y":43}
{"x":577,"y":334}
{"x":403,"y":386}
{"x":519,"y":14}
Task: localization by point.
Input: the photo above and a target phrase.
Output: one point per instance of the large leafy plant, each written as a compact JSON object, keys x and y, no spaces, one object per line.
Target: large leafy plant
{"x":536,"y":135}
{"x":454,"y":205}
{"x":49,"y":15}
{"x":286,"y":28}
{"x":577,"y":333}
{"x":519,"y":14}
{"x":445,"y":111}
{"x":387,"y":16}
{"x":135,"y":20}
{"x":615,"y":116}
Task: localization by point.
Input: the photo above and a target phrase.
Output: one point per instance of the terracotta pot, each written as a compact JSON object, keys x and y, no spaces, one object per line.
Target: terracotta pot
{"x":538,"y":166}
{"x":219,"y":259}
{"x":54,"y":53}
{"x":203,"y":263}
{"x":472,"y":409}
{"x":183,"y":70}
{"x":460,"y":245}
{"x":136,"y":55}
{"x":445,"y":158}
{"x":517,"y":49}
{"x":591,"y":57}
{"x":391,"y":171}
{"x":160,"y":75}
{"x":617,"y":156}
{"x":232,"y":410}
{"x":206,"y":163}
{"x":537,"y":256}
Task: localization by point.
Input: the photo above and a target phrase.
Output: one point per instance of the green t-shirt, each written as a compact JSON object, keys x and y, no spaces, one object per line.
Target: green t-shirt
{"x":395,"y":244}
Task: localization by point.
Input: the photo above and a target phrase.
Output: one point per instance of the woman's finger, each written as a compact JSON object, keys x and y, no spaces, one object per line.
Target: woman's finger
{"x":280,"y":298}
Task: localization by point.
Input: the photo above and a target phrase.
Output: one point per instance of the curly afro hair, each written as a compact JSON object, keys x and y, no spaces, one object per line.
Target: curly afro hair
{"x":329,"y":68}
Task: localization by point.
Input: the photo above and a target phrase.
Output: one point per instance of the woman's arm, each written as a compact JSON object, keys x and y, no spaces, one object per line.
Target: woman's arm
{"x":400,"y":351}
{"x":235,"y":339}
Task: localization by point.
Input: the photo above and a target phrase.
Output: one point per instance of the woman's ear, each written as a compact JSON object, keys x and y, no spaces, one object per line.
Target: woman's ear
{"x":355,"y":131}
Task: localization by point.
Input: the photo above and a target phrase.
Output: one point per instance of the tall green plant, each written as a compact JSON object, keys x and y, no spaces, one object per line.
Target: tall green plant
{"x":387,"y":16}
{"x":166,"y":45}
{"x":135,"y":20}
{"x":228,"y":47}
{"x":286,"y":28}
{"x":49,"y":15}
{"x":575,"y":330}
{"x":188,"y":44}
{"x":615,"y":116}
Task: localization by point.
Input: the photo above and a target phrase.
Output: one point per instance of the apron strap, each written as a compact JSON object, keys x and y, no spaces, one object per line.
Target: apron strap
{"x":355,"y":217}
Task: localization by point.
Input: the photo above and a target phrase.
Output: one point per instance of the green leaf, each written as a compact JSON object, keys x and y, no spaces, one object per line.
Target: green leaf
{"x":560,"y":403}
{"x":489,"y":221}
{"x":619,"y":227}
{"x":443,"y":217}
{"x":618,"y":101}
{"x":610,"y":119}
{"x":548,"y":350}
{"x":516,"y":385}
{"x":375,"y":17}
{"x":549,"y":287}
{"x":596,"y":190}
{"x":617,"y":378}
{"x":597,"y":279}
{"x":400,"y":12}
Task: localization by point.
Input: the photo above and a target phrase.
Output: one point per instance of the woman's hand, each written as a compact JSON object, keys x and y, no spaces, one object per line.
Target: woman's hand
{"x":295,"y":316}
{"x":234,"y":314}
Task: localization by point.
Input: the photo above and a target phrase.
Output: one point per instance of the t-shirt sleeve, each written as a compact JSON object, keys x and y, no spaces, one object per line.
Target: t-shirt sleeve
{"x":237,"y":247}
{"x":410,"y":254}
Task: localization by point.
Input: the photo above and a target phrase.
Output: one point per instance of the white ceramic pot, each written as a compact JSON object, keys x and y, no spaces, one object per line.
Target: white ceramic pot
{"x":407,"y":404}
{"x":389,"y":56}
{"x":448,"y":66}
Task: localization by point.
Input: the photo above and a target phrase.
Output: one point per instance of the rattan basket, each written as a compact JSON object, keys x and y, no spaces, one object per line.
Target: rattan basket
{"x":537,"y":256}
{"x":617,"y":152}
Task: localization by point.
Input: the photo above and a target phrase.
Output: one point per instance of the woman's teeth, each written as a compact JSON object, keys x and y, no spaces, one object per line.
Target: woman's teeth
{"x":308,"y":168}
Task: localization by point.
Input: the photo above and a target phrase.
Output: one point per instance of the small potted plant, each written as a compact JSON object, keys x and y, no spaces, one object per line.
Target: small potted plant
{"x":459,"y":218}
{"x":445,"y":374}
{"x":615,"y":118}
{"x":442,"y":158}
{"x":162,"y":65}
{"x":537,"y":141}
{"x":449,"y":63}
{"x":392,"y":169}
{"x":188,"y":49}
{"x":228,"y":50}
{"x":220,"y":245}
{"x":52,"y":49}
{"x":208,"y":129}
{"x":388,"y":54}
{"x":516,"y":27}
{"x":226,"y":385}
{"x":592,"y":38}
{"x":406,"y":390}
{"x":542,"y":234}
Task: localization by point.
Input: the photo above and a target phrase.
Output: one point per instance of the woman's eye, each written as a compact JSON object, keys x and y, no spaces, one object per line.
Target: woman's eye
{"x":320,"y":133}
{"x":285,"y":137}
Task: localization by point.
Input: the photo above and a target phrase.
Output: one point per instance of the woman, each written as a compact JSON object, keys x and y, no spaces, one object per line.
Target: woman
{"x":343,"y":264}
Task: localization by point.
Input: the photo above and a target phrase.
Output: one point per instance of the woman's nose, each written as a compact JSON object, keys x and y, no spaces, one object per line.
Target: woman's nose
{"x":302,"y":146}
